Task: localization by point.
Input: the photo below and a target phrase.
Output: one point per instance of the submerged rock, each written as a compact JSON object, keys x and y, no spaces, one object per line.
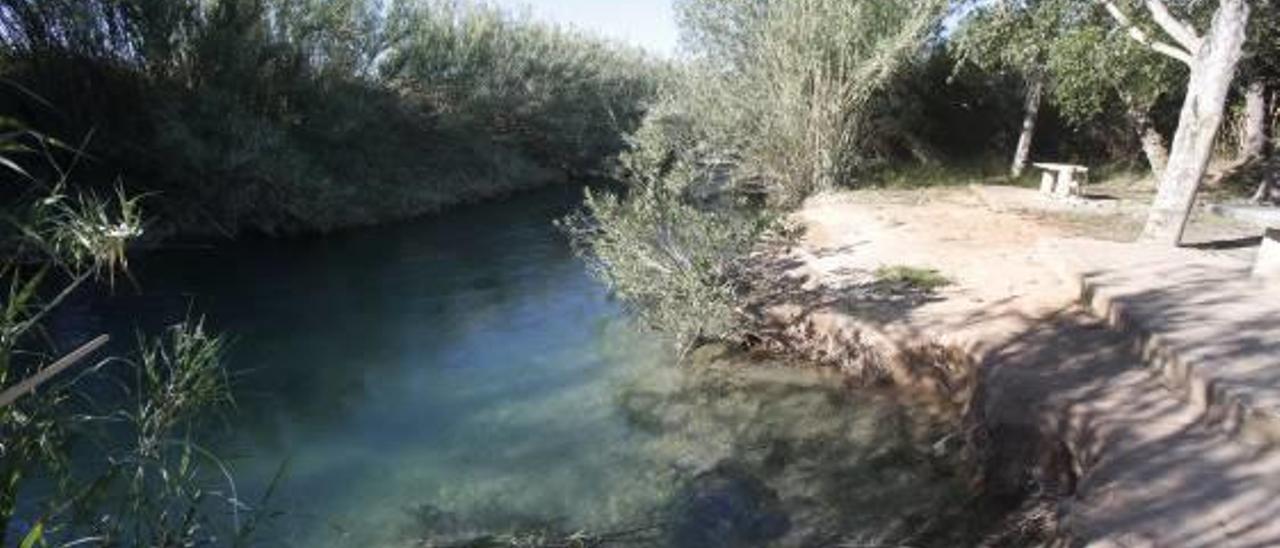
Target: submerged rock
{"x":726,"y":507}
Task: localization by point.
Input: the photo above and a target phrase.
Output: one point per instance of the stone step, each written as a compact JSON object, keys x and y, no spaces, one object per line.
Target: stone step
{"x":1209,"y":329}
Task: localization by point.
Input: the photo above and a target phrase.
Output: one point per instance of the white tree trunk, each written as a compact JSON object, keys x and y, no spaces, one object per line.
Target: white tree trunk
{"x":1031,"y":112}
{"x":1213,"y":67}
{"x":1268,"y":190}
{"x":1253,"y":134}
{"x":1153,"y":145}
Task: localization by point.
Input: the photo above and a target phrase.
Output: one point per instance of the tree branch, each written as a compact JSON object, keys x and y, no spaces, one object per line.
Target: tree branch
{"x":28,"y":384}
{"x":1180,"y":31}
{"x":1140,"y":36}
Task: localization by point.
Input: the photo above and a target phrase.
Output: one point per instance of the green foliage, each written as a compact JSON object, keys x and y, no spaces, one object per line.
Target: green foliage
{"x":911,"y":278}
{"x":1008,"y":36}
{"x":776,"y":100}
{"x":1093,"y":64}
{"x":1072,"y":45}
{"x":551,"y":90}
{"x":781,"y":89}
{"x":1105,"y":85}
{"x":1262,"y":51}
{"x":161,"y":485}
{"x":279,"y":115}
{"x":674,"y":260}
{"x":151,"y":484}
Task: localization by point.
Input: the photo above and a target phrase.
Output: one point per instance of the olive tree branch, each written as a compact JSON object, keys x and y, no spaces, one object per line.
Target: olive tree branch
{"x":1179,"y":30}
{"x":1142,"y":37}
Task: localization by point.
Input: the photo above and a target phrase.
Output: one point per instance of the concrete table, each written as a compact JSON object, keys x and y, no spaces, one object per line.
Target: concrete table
{"x":1060,"y":180}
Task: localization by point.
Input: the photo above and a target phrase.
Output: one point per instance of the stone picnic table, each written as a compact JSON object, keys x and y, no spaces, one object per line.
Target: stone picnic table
{"x":1062,"y":180}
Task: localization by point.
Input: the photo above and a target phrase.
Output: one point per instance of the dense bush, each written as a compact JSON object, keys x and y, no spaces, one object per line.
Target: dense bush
{"x":673,"y":257}
{"x":310,"y":114}
{"x":776,"y":100}
{"x":784,"y":88}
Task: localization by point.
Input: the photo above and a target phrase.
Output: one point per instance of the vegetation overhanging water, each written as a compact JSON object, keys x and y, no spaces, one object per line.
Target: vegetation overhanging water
{"x":445,"y":380}
{"x":462,"y":375}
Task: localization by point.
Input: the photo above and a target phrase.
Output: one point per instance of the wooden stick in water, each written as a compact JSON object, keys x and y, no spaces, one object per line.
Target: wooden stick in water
{"x":28,"y":384}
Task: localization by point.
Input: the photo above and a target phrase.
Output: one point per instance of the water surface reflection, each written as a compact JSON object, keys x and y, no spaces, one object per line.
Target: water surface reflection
{"x":462,"y":373}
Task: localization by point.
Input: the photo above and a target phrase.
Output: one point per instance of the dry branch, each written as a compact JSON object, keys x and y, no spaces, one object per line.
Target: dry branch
{"x":34,"y":381}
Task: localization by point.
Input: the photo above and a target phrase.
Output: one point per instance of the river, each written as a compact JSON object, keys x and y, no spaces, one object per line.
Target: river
{"x":462,"y":373}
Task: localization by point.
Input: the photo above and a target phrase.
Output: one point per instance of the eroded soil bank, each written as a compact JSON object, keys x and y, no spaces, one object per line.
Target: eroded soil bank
{"x":1061,"y":412}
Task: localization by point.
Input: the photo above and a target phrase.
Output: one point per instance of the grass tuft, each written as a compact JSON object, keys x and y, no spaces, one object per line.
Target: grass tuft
{"x":910,"y":277}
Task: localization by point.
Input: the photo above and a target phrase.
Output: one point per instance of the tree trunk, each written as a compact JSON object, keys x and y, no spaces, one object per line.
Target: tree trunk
{"x":1253,"y":134}
{"x":1213,"y":67}
{"x":1031,"y":112}
{"x":1153,"y":145}
{"x":1269,"y":189}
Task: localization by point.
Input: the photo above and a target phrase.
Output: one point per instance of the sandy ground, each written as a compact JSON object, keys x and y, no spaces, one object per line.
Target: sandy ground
{"x":1115,"y":212}
{"x":1066,"y":402}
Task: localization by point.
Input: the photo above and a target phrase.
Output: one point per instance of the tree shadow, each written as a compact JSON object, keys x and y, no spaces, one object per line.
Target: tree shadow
{"x":1096,"y":196}
{"x":1071,"y":410}
{"x":1232,"y":243}
{"x":1118,"y":437}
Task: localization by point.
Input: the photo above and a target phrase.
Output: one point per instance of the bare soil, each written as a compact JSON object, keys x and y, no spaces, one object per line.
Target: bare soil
{"x":1063,"y":409}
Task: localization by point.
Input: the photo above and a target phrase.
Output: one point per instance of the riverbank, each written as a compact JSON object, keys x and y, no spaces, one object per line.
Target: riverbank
{"x":1062,"y":409}
{"x":311,"y":118}
{"x":462,"y":376}
{"x":410,"y":206}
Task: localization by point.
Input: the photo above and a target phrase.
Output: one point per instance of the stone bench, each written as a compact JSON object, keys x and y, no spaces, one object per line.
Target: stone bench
{"x":1062,"y":180}
{"x":1267,"y":265}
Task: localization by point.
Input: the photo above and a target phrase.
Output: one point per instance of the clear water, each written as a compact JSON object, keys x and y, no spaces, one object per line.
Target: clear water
{"x":466,"y":366}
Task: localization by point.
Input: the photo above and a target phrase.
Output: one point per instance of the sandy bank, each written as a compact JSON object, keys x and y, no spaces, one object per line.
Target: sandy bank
{"x":1064,"y":407}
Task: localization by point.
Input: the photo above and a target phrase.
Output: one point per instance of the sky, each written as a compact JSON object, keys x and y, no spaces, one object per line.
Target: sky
{"x":649,"y":24}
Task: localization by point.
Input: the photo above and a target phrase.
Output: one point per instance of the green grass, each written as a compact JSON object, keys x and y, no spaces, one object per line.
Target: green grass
{"x":899,"y":176}
{"x":909,"y":277}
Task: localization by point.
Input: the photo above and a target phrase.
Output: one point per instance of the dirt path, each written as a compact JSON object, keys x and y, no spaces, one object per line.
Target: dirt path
{"x":828,"y":285}
{"x":1066,"y":404}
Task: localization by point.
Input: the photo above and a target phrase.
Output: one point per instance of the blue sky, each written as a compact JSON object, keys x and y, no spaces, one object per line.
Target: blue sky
{"x":646,"y":23}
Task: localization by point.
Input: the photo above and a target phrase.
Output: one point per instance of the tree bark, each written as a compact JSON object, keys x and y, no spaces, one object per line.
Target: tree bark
{"x":1253,"y":134}
{"x":1268,"y":190}
{"x":1031,"y":113}
{"x":1213,"y":67}
{"x":1153,"y":144}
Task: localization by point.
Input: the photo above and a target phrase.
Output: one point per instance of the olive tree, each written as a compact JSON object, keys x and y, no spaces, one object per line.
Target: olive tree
{"x":1094,"y":68}
{"x":1068,"y":54}
{"x":1013,"y":37}
{"x":1260,"y":70}
{"x":1212,"y":59}
{"x":1258,"y":118}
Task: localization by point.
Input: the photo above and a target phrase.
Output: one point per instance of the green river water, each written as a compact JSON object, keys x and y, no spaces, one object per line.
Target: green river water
{"x":462,"y":373}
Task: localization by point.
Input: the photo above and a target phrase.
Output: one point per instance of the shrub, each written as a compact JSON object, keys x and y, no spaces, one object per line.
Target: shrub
{"x":152,"y":484}
{"x":777,"y":100}
{"x":785,"y":87}
{"x":279,"y":115}
{"x":673,"y":259}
